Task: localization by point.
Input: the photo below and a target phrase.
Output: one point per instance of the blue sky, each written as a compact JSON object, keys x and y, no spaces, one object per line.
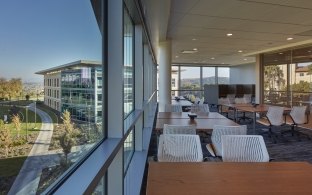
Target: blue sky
{"x":40,"y":34}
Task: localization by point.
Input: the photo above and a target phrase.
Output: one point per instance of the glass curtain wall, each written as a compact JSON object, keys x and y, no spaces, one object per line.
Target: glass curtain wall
{"x":190,"y":80}
{"x":287,"y":77}
{"x":59,"y":99}
{"x":128,"y":64}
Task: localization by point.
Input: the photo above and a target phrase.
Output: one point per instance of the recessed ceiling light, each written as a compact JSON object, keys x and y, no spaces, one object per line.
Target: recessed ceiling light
{"x":240,"y":51}
{"x":194,"y":39}
{"x":281,"y":53}
{"x":309,"y":51}
{"x":195,"y":49}
{"x":177,"y":56}
{"x":289,"y":38}
{"x":188,"y":51}
{"x":229,"y":34}
{"x":222,"y":63}
{"x":245,"y":59}
{"x":212,"y":58}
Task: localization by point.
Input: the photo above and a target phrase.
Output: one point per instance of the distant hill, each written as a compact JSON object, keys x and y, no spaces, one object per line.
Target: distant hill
{"x":222,"y":80}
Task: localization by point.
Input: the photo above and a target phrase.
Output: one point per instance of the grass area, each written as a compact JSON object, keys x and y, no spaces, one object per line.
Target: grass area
{"x":11,"y":166}
{"x":30,"y":123}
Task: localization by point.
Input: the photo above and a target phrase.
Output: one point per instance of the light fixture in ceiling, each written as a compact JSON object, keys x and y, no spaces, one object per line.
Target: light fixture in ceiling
{"x":194,"y":39}
{"x":212,"y":58}
{"x":289,"y":38}
{"x":189,"y":51}
{"x":195,"y":49}
{"x":177,"y":56}
{"x":239,"y":51}
{"x":245,"y":59}
{"x":281,"y":53}
{"x":229,"y":34}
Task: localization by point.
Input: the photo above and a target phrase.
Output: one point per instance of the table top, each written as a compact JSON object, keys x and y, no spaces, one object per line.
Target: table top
{"x":200,"y":115}
{"x":258,"y":108}
{"x":229,"y":178}
{"x":181,"y":102}
{"x":236,"y":105}
{"x":201,"y":124}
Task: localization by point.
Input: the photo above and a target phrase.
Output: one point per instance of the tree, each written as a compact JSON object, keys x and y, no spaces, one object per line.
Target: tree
{"x":66,"y":142}
{"x":5,"y":138}
{"x":67,"y":138}
{"x":273,"y":77}
{"x":10,"y":88}
{"x":17,"y":123}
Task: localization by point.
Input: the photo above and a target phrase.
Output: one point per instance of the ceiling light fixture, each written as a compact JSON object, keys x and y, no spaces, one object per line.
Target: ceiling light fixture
{"x":281,"y":53}
{"x":240,"y":51}
{"x":177,"y":56}
{"x":289,"y":38}
{"x":194,"y":39}
{"x":245,"y":59}
{"x":195,"y":49}
{"x":188,"y":51}
{"x":229,"y":34}
{"x":212,"y":58}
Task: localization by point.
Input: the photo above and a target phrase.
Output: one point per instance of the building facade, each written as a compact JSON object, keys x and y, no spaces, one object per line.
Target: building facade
{"x":75,"y":87}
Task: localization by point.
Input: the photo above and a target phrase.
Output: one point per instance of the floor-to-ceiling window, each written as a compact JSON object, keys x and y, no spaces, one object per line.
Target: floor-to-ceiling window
{"x":287,"y":76}
{"x":128,"y":64}
{"x":51,"y":118}
{"x":190,"y":80}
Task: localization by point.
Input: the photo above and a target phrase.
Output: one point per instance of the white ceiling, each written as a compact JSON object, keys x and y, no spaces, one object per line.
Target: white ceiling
{"x":256,"y":25}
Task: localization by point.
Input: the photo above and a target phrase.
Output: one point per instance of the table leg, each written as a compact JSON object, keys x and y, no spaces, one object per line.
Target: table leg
{"x":254,"y":122}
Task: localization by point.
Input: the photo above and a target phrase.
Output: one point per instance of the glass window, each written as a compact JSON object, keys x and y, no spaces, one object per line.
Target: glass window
{"x":223,"y":75}
{"x":128,"y":64}
{"x":128,"y":149}
{"x":209,"y":75}
{"x":48,"y":40}
{"x":190,"y":81}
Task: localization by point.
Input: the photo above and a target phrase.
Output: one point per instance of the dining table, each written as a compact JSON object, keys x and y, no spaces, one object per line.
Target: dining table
{"x":167,"y":178}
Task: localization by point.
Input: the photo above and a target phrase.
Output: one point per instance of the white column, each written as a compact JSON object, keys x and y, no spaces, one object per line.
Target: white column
{"x":138,"y":45}
{"x":164,"y":74}
{"x":115,"y":92}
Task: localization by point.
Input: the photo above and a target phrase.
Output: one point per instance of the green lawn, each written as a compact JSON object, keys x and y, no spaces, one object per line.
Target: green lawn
{"x":30,"y":123}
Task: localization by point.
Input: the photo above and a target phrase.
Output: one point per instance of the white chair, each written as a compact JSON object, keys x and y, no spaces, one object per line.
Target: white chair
{"x":179,"y":129}
{"x":215,"y":148}
{"x":244,"y":148}
{"x":199,"y":108}
{"x":231,"y":98}
{"x":247,"y":98}
{"x":275,"y":118}
{"x":173,"y":108}
{"x":179,"y":148}
{"x":201,"y":101}
{"x":298,"y":116}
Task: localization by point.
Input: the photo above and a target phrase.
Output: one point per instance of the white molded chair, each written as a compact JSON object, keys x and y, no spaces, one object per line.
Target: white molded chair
{"x":244,"y":148}
{"x":247,"y":98}
{"x":298,"y":115}
{"x":231,"y":98}
{"x":179,"y":148}
{"x":173,"y":108}
{"x":215,"y":148}
{"x":199,"y":108}
{"x":179,"y":129}
{"x":275,"y":118}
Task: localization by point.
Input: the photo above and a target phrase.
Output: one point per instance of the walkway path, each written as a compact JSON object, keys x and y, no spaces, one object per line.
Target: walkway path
{"x":28,"y":178}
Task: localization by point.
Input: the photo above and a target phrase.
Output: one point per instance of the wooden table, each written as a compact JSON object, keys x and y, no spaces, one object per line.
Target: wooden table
{"x":201,"y":123}
{"x":262,"y":108}
{"x":229,"y":178}
{"x":184,"y":115}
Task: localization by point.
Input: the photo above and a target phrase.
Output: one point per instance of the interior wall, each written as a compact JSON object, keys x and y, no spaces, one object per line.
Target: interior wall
{"x":243,"y":74}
